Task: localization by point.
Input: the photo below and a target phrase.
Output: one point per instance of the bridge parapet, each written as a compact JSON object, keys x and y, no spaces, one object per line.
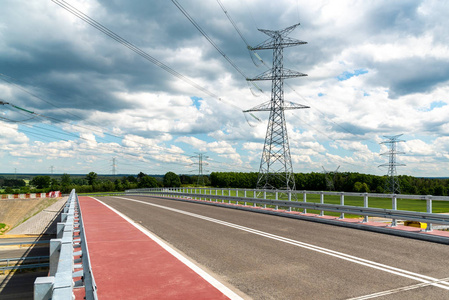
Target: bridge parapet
{"x":69,"y":259}
{"x":292,"y":199}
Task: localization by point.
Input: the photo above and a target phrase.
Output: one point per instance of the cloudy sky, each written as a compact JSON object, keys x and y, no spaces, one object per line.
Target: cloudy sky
{"x":375,"y":68}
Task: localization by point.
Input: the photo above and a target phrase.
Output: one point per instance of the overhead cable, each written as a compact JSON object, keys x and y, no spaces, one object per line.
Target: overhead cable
{"x":194,"y":23}
{"x":136,"y":49}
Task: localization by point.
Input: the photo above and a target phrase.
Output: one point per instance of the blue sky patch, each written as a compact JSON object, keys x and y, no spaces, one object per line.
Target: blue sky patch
{"x":196,"y":101}
{"x":433,"y":105}
{"x":437,"y":104}
{"x":346,"y":75}
{"x":320,"y":94}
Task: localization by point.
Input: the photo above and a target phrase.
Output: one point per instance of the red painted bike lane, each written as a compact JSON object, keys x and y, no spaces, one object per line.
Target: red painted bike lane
{"x":127,"y":264}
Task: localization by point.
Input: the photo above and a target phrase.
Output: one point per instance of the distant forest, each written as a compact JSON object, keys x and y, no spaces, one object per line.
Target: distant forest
{"x":342,"y":182}
{"x":92,"y":182}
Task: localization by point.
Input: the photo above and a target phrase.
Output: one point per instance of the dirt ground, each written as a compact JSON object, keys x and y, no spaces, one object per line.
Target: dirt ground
{"x":15,"y":211}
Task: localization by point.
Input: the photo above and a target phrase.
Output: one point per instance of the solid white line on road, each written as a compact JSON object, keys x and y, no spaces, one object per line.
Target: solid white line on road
{"x":368,"y":263}
{"x":214,"y":282}
{"x":401,"y":289}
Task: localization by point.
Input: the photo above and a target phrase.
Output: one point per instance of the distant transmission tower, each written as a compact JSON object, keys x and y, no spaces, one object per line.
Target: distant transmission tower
{"x":392,"y":184}
{"x":201,"y":157}
{"x":114,"y":165}
{"x":330,"y":178}
{"x":276,"y":164}
{"x":52,"y":169}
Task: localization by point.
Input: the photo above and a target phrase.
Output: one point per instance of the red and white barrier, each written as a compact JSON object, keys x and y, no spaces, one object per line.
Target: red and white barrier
{"x":52,"y":194}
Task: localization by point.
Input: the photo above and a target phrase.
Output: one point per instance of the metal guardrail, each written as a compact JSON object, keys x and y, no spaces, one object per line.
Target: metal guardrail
{"x":24,"y":243}
{"x":22,"y":267}
{"x":251,"y":196}
{"x":70,"y":237}
{"x":24,"y":259}
{"x":20,"y":263}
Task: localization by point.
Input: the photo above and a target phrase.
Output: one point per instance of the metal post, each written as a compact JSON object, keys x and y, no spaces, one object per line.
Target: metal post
{"x":322,"y":202}
{"x":289,"y":199}
{"x":304,"y":199}
{"x":394,"y":206}
{"x":429,"y":210}
{"x":342,"y":202}
{"x":55,"y":248}
{"x":365,"y":204}
{"x":265,"y":197}
{"x":276,"y":198}
{"x":255,"y":196}
{"x":245,"y":196}
{"x":43,"y":287}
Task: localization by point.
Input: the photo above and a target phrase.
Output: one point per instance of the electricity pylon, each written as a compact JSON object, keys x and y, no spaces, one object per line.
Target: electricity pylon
{"x":392,"y":184}
{"x":276,"y":164}
{"x":201,"y":157}
{"x":114,"y":165}
{"x":330,"y":178}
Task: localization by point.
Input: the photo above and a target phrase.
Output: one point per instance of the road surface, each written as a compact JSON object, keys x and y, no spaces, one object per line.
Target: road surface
{"x":270,"y":257}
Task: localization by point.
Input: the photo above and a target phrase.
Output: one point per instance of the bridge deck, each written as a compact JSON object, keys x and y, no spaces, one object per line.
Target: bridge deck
{"x":127,"y":264}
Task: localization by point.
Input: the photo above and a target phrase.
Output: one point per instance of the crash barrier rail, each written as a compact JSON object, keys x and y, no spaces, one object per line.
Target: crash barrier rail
{"x":22,"y":244}
{"x":259,"y":197}
{"x":19,"y":263}
{"x":70,"y":243}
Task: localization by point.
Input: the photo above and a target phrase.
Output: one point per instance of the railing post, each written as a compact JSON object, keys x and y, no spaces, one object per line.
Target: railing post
{"x":237,"y":194}
{"x":245,"y":196}
{"x":43,"y":287}
{"x":304,"y":199}
{"x":289,"y":199}
{"x":322,"y":202}
{"x":394,"y":206}
{"x":265,"y":197}
{"x":365,"y":204}
{"x":276,"y":198}
{"x":254,"y":196}
{"x":342,"y":202}
{"x":55,"y":248}
{"x":429,"y":210}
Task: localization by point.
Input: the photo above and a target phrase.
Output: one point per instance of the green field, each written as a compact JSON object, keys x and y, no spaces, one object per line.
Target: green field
{"x":386,"y":203}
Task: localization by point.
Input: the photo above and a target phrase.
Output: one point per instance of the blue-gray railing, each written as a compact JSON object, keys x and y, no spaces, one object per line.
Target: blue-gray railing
{"x":70,"y":242}
{"x":260,"y":197}
{"x":20,"y":263}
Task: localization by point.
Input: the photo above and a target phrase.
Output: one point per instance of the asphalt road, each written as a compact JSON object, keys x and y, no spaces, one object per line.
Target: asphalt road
{"x":270,"y":257}
{"x":15,"y":252}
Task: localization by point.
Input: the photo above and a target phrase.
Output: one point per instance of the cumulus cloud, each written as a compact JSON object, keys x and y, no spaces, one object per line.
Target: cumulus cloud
{"x":375,"y":69}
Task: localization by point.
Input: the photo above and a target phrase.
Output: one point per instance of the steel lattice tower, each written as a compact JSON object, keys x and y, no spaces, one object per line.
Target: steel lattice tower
{"x":392,"y":184}
{"x":201,"y":158}
{"x":276,"y":165}
{"x":330,"y":178}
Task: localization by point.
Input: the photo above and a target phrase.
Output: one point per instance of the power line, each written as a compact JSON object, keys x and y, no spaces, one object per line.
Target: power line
{"x":265,"y":64}
{"x":194,"y":23}
{"x":25,"y":111}
{"x":248,"y":46}
{"x":290,"y":86}
{"x":136,"y":49}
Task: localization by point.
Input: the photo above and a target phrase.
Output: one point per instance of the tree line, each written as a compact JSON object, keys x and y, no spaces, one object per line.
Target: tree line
{"x":89,"y":184}
{"x":342,"y":182}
